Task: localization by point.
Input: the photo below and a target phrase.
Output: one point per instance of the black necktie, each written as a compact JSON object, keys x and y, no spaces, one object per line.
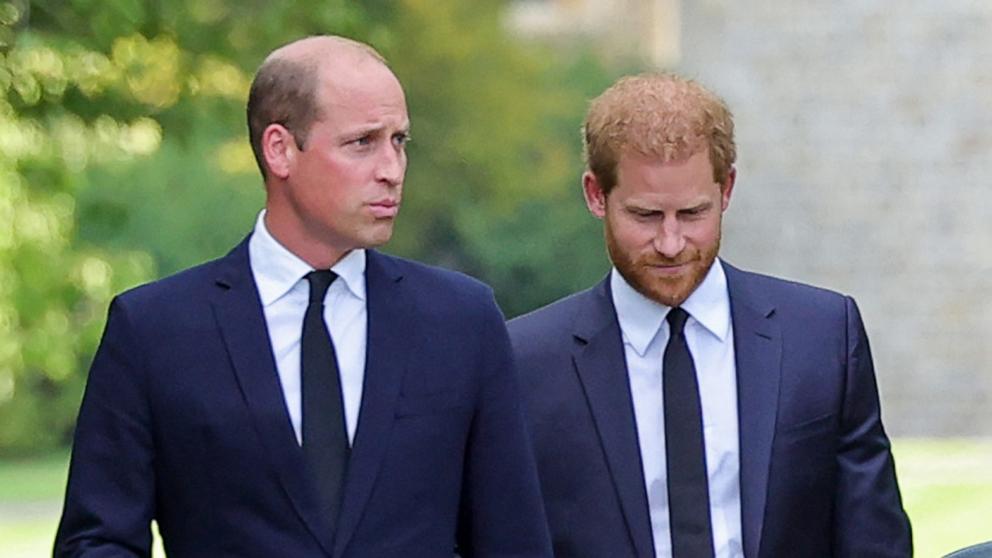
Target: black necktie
{"x":325,"y":438}
{"x":688,"y":494}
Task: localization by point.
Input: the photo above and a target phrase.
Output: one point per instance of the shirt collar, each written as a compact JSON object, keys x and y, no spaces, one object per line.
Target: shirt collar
{"x":277,"y":270}
{"x":640,"y":317}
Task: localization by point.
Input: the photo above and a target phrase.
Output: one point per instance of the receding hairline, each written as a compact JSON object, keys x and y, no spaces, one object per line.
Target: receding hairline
{"x":290,"y":85}
{"x":317,"y":51}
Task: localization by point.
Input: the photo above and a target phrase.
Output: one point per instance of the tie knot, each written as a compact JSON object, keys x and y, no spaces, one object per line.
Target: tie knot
{"x":320,"y":280}
{"x":676,"y":320}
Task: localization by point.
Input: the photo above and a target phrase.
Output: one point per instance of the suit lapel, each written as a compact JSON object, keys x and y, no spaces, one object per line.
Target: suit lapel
{"x":601,"y":366}
{"x":390,"y":336}
{"x":242,"y":324}
{"x":758,"y":350}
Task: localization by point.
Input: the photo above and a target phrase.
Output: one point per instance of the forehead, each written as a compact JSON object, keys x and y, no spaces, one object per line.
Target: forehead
{"x":696,"y":164}
{"x":652,"y":176}
{"x":361,"y":86}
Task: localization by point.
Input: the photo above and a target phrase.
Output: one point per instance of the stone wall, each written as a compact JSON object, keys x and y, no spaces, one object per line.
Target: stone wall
{"x":865,"y":151}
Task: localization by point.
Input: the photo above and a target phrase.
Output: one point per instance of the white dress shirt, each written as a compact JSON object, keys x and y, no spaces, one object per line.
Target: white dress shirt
{"x":709,"y":334}
{"x":285,"y":293}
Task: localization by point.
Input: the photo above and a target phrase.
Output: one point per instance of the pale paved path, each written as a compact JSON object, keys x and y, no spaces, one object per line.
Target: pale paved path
{"x":27,"y":528}
{"x":28,"y":511}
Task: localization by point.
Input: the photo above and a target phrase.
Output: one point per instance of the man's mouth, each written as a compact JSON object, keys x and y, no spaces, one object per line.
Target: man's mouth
{"x":384,"y":209}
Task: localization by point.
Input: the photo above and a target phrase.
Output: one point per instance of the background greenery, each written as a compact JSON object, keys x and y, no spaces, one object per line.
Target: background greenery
{"x":124,"y":157}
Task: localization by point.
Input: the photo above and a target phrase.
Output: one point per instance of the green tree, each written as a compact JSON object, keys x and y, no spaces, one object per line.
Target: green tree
{"x":124,"y":157}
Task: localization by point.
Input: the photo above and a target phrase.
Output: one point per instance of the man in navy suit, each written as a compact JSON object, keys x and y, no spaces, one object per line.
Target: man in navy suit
{"x":683,"y":407}
{"x":306,"y":395}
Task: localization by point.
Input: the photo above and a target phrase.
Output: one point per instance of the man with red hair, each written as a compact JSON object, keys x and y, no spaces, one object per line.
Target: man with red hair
{"x":683,"y":407}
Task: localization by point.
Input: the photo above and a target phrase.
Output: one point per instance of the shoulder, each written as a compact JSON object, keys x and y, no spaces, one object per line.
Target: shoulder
{"x":184,"y":286}
{"x":556,"y":315}
{"x":183,"y":300}
{"x":788,"y":298}
{"x":431,"y":278}
{"x":434,"y":289}
{"x":551,"y":328}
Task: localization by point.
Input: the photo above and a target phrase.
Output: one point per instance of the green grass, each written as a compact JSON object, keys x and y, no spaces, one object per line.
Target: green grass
{"x":31,"y":493}
{"x":32,"y":480}
{"x":947,"y":491}
{"x":946,"y":486}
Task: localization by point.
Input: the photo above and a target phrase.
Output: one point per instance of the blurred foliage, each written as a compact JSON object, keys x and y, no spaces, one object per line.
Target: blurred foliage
{"x":124,"y":157}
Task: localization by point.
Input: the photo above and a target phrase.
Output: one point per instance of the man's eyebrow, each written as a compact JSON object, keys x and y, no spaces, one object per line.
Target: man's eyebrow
{"x":699,"y":206}
{"x":364,"y":130}
{"x":359,"y":131}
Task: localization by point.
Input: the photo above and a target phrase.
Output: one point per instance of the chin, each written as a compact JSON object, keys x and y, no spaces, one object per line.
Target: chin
{"x":670,"y":297}
{"x":379,"y":238}
{"x":670,"y":291}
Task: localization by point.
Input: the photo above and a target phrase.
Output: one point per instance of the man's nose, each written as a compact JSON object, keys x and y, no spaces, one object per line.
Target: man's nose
{"x":392,"y":165}
{"x":670,"y":240}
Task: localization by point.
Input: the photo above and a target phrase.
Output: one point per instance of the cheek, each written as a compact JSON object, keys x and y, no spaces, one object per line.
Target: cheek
{"x":342,"y":186}
{"x":346,"y":169}
{"x":629,"y":233}
{"x":704,"y":233}
{"x":338,"y":173}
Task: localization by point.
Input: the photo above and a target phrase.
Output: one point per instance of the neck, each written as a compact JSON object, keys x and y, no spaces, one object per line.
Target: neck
{"x":314,"y":251}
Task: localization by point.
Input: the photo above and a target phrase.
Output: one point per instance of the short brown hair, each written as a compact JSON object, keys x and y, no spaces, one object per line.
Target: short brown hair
{"x":285,"y":89}
{"x":283,"y":92}
{"x":657,"y":115}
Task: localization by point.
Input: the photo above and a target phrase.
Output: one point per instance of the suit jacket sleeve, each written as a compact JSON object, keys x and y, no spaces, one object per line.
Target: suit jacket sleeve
{"x":502,"y":513}
{"x":110,"y":495}
{"x":869,"y":518}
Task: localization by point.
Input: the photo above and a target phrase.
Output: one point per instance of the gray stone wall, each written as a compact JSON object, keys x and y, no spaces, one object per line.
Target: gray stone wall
{"x":865,"y":151}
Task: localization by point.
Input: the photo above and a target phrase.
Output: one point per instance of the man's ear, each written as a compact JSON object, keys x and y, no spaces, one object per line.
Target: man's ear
{"x":727,"y":188}
{"x":594,"y":194}
{"x":279,"y":148}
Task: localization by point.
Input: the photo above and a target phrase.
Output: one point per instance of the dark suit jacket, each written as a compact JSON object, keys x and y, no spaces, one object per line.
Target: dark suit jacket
{"x":816,"y":476}
{"x":183,"y":421}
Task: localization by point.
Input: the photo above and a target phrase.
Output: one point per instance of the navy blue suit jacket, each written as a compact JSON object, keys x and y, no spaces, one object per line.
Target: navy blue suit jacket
{"x":816,"y":476}
{"x":183,"y":421}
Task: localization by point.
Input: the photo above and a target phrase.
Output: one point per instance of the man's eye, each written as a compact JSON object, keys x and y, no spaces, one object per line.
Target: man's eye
{"x":364,"y":140}
{"x":401,"y":139}
{"x":695,"y":212}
